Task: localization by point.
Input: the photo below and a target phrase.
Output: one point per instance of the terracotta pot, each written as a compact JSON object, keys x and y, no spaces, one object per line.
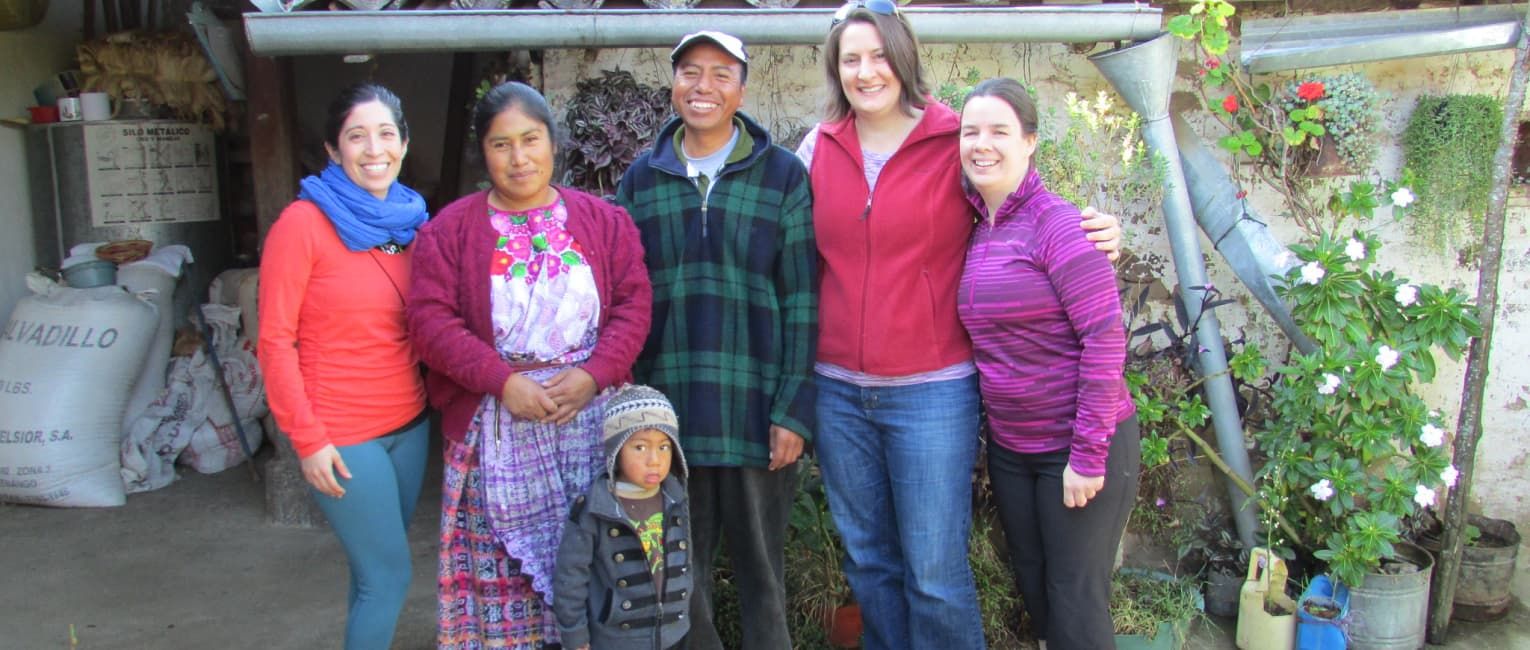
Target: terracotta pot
{"x":845,"y":626}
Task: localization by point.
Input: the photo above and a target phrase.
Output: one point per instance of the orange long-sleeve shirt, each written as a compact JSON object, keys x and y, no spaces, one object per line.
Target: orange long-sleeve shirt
{"x":333,"y":346}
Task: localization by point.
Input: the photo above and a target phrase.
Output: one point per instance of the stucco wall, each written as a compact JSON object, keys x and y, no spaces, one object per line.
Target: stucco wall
{"x":30,"y":56}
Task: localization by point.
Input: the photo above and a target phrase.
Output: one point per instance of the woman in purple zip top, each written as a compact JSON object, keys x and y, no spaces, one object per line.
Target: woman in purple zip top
{"x":1045,"y":318}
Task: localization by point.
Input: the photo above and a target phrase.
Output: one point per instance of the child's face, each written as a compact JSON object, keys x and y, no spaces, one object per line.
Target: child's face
{"x":644,"y":459}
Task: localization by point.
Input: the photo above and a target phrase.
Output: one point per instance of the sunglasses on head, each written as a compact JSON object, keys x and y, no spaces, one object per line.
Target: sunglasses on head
{"x":883,"y":7}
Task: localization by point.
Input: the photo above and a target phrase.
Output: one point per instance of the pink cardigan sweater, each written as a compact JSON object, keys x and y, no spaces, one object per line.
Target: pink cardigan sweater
{"x":449,"y":302}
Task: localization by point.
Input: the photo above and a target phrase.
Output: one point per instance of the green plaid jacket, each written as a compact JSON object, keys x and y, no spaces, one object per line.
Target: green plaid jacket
{"x":735,"y":294}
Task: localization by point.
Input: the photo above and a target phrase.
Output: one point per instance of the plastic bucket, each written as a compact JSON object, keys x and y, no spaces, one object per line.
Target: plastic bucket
{"x":94,"y":273}
{"x":1318,"y":633}
{"x":1389,"y":611}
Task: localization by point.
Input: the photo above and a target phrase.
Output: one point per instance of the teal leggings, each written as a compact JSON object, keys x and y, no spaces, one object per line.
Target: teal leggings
{"x":370,"y":521}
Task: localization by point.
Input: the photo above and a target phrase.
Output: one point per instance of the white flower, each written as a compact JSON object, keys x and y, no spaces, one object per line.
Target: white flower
{"x":1329,"y":385}
{"x":1285,"y":260}
{"x":1312,"y":272}
{"x":1386,"y":357}
{"x":1423,"y":496}
{"x":1322,"y":490}
{"x":1431,"y":436}
{"x":1403,"y":197}
{"x":1449,"y":476}
{"x":1406,"y":295}
{"x":1355,"y":249}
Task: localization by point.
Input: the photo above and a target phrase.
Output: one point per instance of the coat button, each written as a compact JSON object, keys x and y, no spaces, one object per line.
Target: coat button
{"x":679,"y":521}
{"x":616,"y":532}
{"x":682,"y":545}
{"x":622,"y":582}
{"x":684,"y":569}
{"x":626,"y":626}
{"x":626,"y":604}
{"x":618,"y":557}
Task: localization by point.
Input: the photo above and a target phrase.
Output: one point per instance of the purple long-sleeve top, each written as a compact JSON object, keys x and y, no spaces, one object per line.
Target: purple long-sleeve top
{"x":1045,"y":318}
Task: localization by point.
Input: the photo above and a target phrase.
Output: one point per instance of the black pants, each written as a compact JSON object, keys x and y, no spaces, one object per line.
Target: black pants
{"x":1063,"y":556}
{"x":751,"y":507}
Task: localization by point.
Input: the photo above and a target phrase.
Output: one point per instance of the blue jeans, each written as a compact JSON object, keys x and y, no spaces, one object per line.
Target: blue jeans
{"x":370,"y":521}
{"x":897,"y":465}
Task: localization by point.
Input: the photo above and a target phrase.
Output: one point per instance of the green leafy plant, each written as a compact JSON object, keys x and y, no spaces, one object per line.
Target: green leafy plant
{"x":1140,"y":601}
{"x":1097,"y":157}
{"x":611,"y":120}
{"x":1353,"y":452}
{"x":1342,"y":108}
{"x":814,"y":579}
{"x":1283,"y":129}
{"x":1449,"y":143}
{"x":953,"y":93}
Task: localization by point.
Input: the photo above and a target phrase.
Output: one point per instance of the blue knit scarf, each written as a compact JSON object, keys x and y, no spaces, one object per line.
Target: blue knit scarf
{"x":363,"y":221}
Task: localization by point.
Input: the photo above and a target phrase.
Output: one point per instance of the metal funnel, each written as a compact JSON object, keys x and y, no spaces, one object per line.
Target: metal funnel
{"x":1143,"y":73}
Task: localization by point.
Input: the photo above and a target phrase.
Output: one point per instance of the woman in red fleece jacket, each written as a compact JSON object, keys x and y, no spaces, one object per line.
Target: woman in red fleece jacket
{"x":529,"y":301}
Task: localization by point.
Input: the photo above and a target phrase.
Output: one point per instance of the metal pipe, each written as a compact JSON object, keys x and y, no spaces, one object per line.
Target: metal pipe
{"x":1236,"y":231}
{"x":378,"y":32}
{"x":1144,"y":74}
{"x":1296,"y":42}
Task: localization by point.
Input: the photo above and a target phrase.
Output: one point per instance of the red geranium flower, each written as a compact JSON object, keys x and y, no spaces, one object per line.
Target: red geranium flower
{"x":1213,"y":63}
{"x":1310,"y":91}
{"x":1230,"y":103}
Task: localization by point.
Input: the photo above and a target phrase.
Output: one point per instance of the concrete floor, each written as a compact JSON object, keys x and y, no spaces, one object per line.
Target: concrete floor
{"x":195,"y":566}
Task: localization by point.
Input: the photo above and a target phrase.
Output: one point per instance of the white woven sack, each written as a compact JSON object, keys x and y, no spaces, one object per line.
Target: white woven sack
{"x":68,"y":359}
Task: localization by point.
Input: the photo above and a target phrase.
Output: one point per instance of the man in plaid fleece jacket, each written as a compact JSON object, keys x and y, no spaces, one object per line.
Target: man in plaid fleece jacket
{"x":726,"y":222}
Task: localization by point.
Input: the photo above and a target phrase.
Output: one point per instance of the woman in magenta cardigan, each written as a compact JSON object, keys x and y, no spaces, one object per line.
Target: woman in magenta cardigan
{"x":528,"y":302}
{"x":1045,"y":319}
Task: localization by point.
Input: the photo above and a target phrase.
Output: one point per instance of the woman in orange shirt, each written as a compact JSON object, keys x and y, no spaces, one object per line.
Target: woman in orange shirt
{"x":341,"y":378}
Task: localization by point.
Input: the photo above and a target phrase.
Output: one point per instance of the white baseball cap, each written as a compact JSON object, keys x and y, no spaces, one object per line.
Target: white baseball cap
{"x":728,"y":42}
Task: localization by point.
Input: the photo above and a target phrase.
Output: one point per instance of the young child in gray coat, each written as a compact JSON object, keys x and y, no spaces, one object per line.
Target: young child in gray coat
{"x":623,"y":569}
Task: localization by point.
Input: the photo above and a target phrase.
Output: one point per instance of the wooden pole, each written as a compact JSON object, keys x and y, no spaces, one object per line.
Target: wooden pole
{"x":455,"y":137}
{"x":1469,"y":420}
{"x":272,"y":129}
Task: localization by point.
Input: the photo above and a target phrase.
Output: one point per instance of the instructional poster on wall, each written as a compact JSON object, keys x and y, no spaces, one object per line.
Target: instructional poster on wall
{"x":150,"y":172}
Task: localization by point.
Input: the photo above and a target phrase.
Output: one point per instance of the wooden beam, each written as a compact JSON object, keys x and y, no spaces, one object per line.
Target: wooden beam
{"x":455,"y":137}
{"x":273,"y":129}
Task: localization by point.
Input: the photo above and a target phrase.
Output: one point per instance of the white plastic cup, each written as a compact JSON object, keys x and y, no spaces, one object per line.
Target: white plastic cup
{"x":69,"y":109}
{"x":96,"y":106}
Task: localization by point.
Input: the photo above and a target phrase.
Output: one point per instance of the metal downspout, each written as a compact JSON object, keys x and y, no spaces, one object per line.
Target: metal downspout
{"x":1237,"y":232}
{"x":1144,"y":74}
{"x":379,"y":32}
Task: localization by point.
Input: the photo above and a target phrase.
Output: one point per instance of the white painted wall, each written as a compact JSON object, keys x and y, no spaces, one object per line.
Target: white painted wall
{"x":30,"y":56}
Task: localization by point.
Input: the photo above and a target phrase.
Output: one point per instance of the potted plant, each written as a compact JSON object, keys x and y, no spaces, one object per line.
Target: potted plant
{"x":820,"y":595}
{"x":1344,"y":108}
{"x":1152,"y":610}
{"x":611,"y":120}
{"x":1488,"y":562}
{"x":1352,"y":451}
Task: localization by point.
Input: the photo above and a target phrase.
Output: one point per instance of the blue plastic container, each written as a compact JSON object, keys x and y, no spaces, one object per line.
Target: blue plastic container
{"x":1315,"y":633}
